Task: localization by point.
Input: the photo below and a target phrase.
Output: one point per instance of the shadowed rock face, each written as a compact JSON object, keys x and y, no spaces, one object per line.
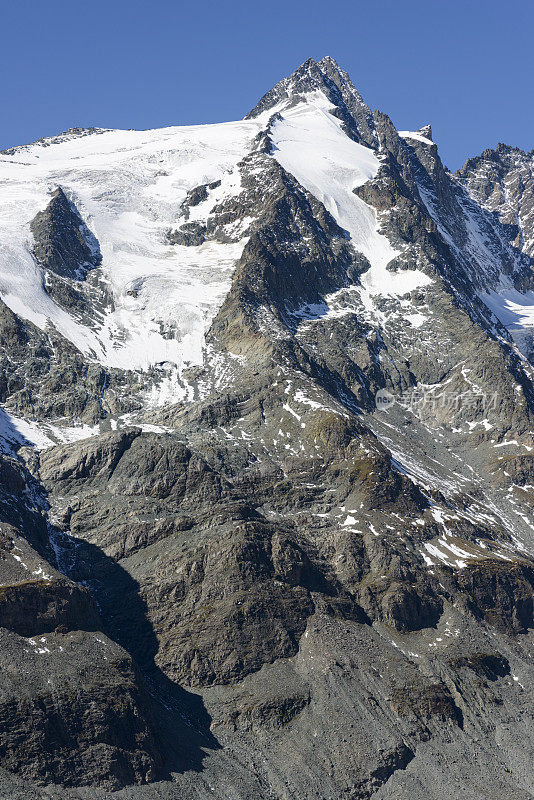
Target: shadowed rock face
{"x":73,"y":706}
{"x":40,"y":606}
{"x":97,"y":729}
{"x":62,"y":242}
{"x":44,"y":377}
{"x":275,"y":588}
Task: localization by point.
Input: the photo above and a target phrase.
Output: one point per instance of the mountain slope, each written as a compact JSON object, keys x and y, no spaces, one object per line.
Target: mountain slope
{"x":283,"y":455}
{"x":501,"y":181}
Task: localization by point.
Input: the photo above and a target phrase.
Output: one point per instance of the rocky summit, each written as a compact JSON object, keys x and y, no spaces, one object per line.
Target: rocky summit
{"x":267,"y":460}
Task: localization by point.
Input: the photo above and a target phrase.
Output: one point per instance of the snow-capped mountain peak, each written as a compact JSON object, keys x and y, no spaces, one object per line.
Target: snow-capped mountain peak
{"x":327,"y":77}
{"x":128,"y":187}
{"x":278,"y":378}
{"x":171,"y":211}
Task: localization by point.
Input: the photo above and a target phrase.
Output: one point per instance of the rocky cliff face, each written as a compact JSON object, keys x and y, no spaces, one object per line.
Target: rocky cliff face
{"x":502,"y":180}
{"x":289,"y":552}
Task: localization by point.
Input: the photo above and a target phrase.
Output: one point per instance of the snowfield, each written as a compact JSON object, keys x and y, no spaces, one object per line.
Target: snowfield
{"x":128,"y":187}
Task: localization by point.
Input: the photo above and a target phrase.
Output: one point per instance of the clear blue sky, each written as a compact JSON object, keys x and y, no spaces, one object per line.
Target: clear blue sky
{"x":465,"y":66}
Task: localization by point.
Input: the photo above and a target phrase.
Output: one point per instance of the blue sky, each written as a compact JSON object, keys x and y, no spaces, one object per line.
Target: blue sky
{"x":466,"y":67}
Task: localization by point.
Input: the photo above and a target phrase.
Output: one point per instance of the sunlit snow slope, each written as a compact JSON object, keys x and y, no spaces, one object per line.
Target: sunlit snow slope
{"x":310,"y":143}
{"x":128,"y":187}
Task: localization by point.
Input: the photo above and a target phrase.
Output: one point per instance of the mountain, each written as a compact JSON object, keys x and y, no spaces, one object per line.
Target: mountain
{"x":267,"y":468}
{"x":502,"y":181}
